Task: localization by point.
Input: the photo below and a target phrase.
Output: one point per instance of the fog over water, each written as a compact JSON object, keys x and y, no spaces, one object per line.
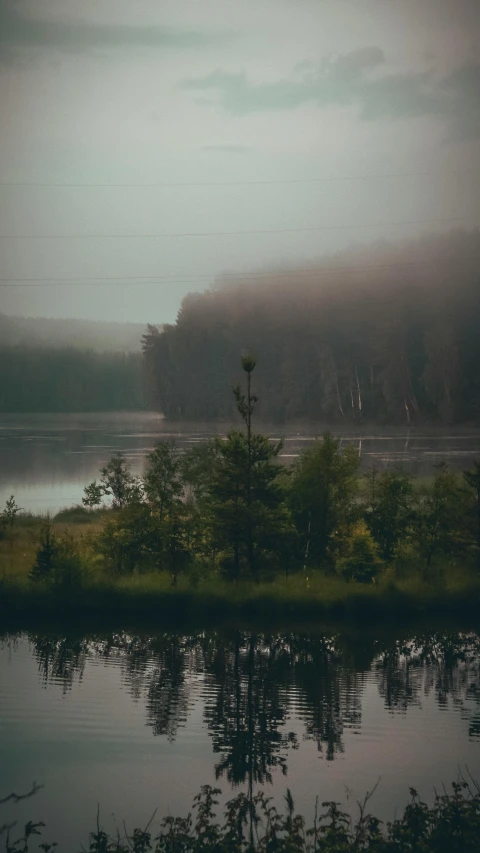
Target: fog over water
{"x":46,"y":461}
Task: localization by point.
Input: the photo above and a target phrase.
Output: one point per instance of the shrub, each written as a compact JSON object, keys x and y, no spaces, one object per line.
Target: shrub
{"x":254,"y":823}
{"x":78,"y":514}
{"x":46,"y":555}
{"x":57,"y":560}
{"x":361,"y":561}
{"x":390,"y":511}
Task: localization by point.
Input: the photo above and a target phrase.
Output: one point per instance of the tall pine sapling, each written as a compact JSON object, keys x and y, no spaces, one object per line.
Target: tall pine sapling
{"x":9,"y":514}
{"x":249,"y":519}
{"x":45,"y":560}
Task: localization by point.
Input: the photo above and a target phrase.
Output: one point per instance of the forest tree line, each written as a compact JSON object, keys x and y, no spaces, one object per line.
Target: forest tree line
{"x":58,"y":333}
{"x":228,"y":508}
{"x":388,"y":337}
{"x":41,"y":379}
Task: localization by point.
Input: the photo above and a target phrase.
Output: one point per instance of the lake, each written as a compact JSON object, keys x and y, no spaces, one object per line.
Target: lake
{"x":46,"y":460}
{"x":136,"y":721}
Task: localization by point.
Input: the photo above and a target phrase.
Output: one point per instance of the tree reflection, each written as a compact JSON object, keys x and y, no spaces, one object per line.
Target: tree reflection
{"x":156,"y":668}
{"x":447,"y":664}
{"x":261,"y":692}
{"x":246,"y":707}
{"x":60,"y":659}
{"x":329,"y":691}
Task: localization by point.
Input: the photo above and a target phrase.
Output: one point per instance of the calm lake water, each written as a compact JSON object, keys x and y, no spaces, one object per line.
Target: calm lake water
{"x":135,"y":722}
{"x":46,"y":460}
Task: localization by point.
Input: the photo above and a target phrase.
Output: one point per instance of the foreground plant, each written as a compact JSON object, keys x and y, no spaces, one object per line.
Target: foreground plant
{"x":451,"y":825}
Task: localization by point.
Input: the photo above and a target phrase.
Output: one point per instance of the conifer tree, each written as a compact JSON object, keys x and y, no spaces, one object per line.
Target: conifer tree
{"x":249,"y":518}
{"x":45,"y":559}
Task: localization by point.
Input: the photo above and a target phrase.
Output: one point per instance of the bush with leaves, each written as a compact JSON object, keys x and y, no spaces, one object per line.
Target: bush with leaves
{"x":322,"y":494}
{"x":197,"y":467}
{"x":117,"y":482}
{"x":440,"y":527}
{"x":162,"y":484}
{"x":254,"y":823}
{"x":361,"y":560}
{"x":472,"y":483}
{"x":57,"y":560}
{"x":390,"y":510}
{"x":131,"y":540}
{"x":137,"y":539}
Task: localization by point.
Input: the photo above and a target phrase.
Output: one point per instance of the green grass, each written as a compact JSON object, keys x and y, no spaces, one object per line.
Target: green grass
{"x":18,"y":545}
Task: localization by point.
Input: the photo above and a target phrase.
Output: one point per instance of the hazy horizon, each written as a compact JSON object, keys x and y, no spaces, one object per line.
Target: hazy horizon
{"x":302,"y":129}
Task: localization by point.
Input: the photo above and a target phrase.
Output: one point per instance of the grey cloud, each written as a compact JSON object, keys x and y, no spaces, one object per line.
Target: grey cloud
{"x":462,"y":88}
{"x":354,"y":80}
{"x":21,"y":29}
{"x":351,"y":64}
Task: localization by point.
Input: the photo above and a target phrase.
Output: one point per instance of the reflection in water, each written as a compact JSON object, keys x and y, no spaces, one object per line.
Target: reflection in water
{"x":251,"y":685}
{"x":246,"y":705}
{"x":447,"y":664}
{"x":61,"y":659}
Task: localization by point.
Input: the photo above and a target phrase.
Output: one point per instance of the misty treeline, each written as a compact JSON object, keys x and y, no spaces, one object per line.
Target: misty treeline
{"x":229,"y":508}
{"x":39,"y":379}
{"x":389,"y":335}
{"x":59,"y":333}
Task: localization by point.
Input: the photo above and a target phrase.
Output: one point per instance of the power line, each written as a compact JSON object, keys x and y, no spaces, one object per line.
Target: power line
{"x":233,"y":233}
{"x":185,"y":279}
{"x":323,"y":179}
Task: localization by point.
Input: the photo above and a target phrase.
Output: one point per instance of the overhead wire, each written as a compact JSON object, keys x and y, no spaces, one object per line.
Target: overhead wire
{"x":249,"y":231}
{"x":248,"y":183}
{"x":186,"y":278}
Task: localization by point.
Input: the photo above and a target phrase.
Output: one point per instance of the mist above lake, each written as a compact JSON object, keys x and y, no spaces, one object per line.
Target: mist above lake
{"x":46,"y":460}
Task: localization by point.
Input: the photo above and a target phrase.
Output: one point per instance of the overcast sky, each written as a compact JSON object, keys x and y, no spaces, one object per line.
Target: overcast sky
{"x":313,"y":114}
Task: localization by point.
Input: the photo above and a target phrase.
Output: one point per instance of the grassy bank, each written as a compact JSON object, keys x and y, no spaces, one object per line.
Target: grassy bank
{"x":304,"y":597}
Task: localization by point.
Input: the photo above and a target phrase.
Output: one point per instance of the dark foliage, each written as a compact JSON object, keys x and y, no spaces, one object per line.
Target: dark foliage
{"x":391,"y":337}
{"x":69,"y":380}
{"x":451,"y":825}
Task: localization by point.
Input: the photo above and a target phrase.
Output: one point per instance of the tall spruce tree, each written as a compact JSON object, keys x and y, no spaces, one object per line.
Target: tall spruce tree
{"x":250,"y":522}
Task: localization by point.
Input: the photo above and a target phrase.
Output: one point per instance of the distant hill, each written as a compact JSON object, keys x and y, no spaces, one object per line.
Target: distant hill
{"x":81,"y":334}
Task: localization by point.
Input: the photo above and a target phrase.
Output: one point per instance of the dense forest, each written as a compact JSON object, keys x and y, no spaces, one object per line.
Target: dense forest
{"x":388,"y":335}
{"x":52,"y":333}
{"x":40,"y":379}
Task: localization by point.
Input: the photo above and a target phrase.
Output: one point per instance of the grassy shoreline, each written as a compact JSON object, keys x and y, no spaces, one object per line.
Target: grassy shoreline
{"x":151,"y":598}
{"x":302,"y":598}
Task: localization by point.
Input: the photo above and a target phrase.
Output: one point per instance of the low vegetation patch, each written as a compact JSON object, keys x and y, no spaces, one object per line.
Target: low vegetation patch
{"x":253,"y":823}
